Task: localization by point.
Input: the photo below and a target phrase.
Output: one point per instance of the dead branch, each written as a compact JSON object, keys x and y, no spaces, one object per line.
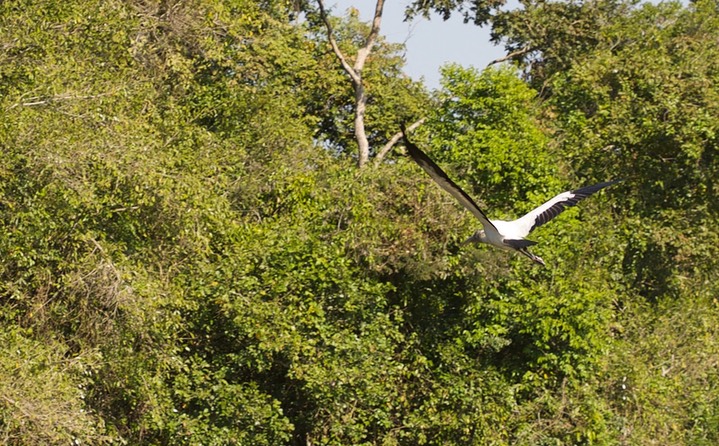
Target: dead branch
{"x":371,"y":37}
{"x":396,"y":137}
{"x":335,"y":48}
{"x":355,"y":74}
{"x":57,"y":98}
{"x":511,"y":55}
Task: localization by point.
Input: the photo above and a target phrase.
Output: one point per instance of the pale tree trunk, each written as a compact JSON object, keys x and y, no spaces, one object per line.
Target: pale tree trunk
{"x":355,"y":73}
{"x":360,"y":134}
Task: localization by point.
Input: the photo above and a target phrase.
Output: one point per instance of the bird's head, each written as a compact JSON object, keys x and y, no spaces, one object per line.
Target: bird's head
{"x":477,"y":237}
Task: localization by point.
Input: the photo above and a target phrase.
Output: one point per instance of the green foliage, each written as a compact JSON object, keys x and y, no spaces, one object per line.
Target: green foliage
{"x":544,"y":38}
{"x":547,"y":38}
{"x":43,"y":391}
{"x":640,"y":107}
{"x":185,"y":261}
{"x":486,"y":124}
{"x":659,"y":380}
{"x":480,"y":12}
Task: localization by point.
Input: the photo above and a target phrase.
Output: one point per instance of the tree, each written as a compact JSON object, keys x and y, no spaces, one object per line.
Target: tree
{"x":641,"y":105}
{"x":542,"y":37}
{"x":356,"y":73}
{"x":121,"y":120}
{"x":188,"y":260}
{"x":487,"y":124}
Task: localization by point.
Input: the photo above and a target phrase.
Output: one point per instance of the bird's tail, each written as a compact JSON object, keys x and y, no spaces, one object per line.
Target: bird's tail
{"x":518,"y":244}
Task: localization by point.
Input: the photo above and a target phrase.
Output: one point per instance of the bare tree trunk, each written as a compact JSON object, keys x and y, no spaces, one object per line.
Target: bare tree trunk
{"x":355,"y":74}
{"x":360,"y":134}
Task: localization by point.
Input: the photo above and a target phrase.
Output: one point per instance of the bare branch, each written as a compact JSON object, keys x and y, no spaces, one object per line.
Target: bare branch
{"x":371,"y":37}
{"x":396,"y":137}
{"x":356,"y":79}
{"x":57,"y":98}
{"x":355,"y":73}
{"x":511,"y":55}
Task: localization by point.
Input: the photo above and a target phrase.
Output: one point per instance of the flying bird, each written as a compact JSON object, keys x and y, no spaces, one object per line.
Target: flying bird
{"x":508,"y":235}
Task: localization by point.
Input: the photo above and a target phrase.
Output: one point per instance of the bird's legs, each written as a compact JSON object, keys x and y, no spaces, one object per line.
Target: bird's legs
{"x":535,"y":259}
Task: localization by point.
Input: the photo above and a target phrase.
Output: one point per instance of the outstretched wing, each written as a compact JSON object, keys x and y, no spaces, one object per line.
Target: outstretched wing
{"x":557,"y":205}
{"x":445,"y":182}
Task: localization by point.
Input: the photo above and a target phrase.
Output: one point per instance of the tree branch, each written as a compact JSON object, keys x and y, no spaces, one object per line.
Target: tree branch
{"x":355,"y":73}
{"x":356,"y":79}
{"x":396,"y":137}
{"x":57,"y":98}
{"x":511,"y":55}
{"x":371,"y":37}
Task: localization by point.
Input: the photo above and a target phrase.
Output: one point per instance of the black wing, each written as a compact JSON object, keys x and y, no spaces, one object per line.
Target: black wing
{"x":441,"y":178}
{"x":558,"y":204}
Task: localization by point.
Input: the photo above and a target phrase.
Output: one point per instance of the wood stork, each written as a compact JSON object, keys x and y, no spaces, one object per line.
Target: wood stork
{"x":508,"y":235}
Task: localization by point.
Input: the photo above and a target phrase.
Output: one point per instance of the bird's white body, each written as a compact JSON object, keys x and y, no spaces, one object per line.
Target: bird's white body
{"x":495,"y":235}
{"x":500,"y":230}
{"x":509,"y":235}
{"x":511,"y":230}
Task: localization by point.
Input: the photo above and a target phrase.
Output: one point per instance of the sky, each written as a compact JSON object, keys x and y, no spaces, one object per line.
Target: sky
{"x":430,"y":43}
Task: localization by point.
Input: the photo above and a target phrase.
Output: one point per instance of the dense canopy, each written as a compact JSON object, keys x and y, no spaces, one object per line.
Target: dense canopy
{"x":191,"y":255}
